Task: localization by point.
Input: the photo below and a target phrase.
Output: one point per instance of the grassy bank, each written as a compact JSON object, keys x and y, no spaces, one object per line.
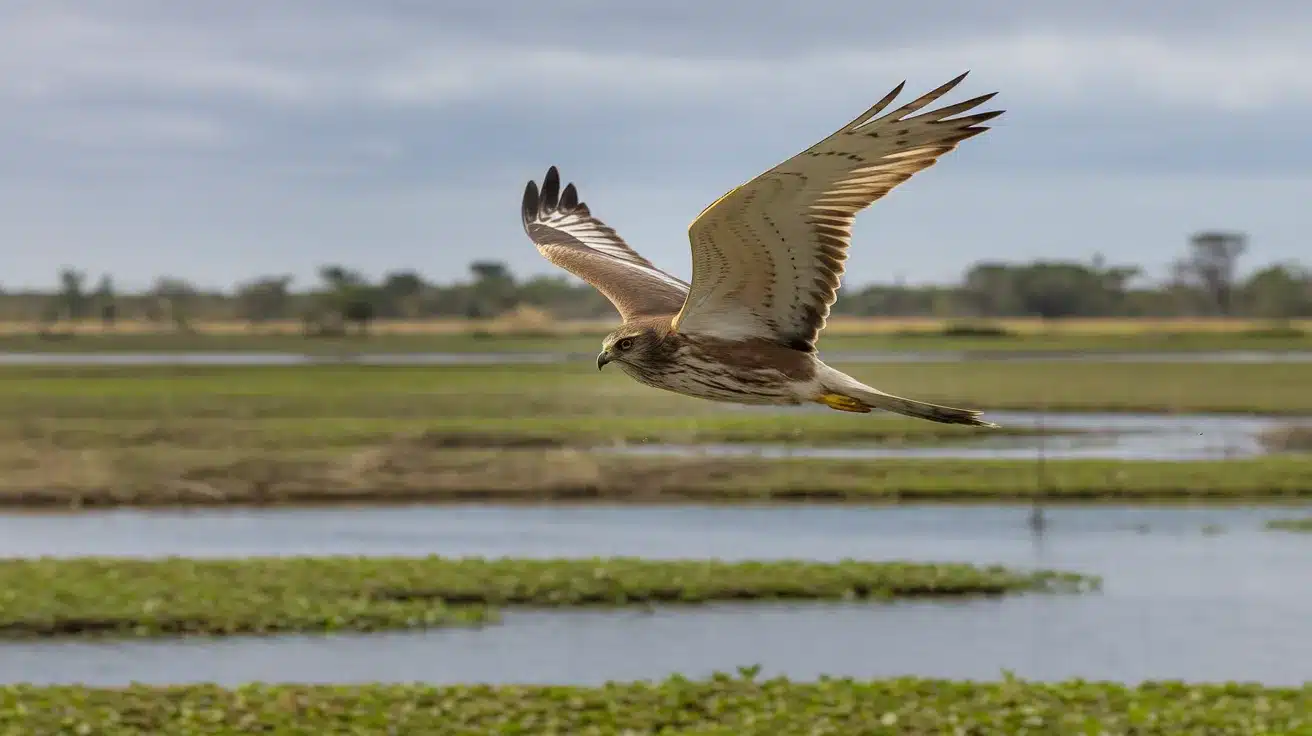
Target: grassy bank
{"x":718,"y":706}
{"x":95,"y":436}
{"x":580,"y":432}
{"x":412,"y":471}
{"x":89,"y":596}
{"x":508,"y":335}
{"x":501,"y":392}
{"x":1291,"y":525}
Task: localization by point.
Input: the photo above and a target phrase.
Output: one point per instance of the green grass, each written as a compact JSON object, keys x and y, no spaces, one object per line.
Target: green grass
{"x":92,"y":436}
{"x":1291,"y":525}
{"x":536,"y":391}
{"x":474,"y":342}
{"x":721,"y":705}
{"x":89,"y":596}
{"x":582,"y":432}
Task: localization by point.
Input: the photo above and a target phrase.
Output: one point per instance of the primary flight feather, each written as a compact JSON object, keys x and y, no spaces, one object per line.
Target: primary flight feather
{"x":767,"y":262}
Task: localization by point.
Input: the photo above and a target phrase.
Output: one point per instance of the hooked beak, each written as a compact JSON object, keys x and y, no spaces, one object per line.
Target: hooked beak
{"x":602,"y":359}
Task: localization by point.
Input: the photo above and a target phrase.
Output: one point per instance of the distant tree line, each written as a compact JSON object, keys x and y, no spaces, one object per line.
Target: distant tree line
{"x":1204,"y":281}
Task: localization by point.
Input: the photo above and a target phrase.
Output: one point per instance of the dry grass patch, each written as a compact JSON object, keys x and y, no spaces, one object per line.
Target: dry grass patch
{"x":408,"y":470}
{"x":1289,"y":438}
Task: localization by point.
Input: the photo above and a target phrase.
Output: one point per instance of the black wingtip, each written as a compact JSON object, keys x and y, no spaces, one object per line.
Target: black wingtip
{"x":549,"y":198}
{"x":551,"y":190}
{"x":569,"y":199}
{"x":528,"y":210}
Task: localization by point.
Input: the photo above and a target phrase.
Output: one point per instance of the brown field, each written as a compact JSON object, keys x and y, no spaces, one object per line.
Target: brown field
{"x":410,"y":470}
{"x":531,"y":320}
{"x":1289,"y":438}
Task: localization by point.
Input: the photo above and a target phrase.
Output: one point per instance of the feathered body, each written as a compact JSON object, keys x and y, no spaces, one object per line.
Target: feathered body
{"x":751,"y":371}
{"x":767,"y":261}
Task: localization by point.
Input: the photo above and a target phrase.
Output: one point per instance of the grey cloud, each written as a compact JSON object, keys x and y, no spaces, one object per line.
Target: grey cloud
{"x":230,"y":138}
{"x":348,"y":54}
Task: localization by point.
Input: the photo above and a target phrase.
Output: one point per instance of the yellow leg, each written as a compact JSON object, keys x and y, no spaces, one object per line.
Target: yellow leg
{"x":843,"y":403}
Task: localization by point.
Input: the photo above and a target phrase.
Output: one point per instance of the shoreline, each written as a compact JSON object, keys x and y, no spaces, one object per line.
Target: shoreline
{"x":42,"y":503}
{"x":407,"y":474}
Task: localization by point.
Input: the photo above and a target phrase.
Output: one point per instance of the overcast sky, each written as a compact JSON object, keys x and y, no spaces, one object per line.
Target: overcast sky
{"x":216,"y":140}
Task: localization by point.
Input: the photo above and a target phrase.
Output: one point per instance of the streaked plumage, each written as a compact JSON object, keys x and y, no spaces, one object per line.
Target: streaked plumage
{"x":767,"y":260}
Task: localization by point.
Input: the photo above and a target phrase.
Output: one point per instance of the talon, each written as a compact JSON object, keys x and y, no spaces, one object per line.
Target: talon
{"x":843,"y":403}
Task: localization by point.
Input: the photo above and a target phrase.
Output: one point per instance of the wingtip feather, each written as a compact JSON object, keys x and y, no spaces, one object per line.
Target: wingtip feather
{"x":569,"y":199}
{"x":878,"y":107}
{"x":550,"y":196}
{"x":528,"y":209}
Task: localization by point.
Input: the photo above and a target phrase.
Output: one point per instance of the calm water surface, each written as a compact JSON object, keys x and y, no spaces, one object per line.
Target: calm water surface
{"x":1190,"y":593}
{"x":967,"y":533}
{"x":1099,"y":436}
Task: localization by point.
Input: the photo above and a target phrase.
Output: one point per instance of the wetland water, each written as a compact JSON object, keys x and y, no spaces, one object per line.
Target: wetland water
{"x":1196,"y":593}
{"x":1101,"y":436}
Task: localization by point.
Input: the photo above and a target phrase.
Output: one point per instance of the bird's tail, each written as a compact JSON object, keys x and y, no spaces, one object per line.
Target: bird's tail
{"x":845,"y":393}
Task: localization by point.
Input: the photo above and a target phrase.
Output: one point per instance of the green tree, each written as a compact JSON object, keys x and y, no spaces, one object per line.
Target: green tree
{"x":1280,"y":291}
{"x":990,"y":289}
{"x":401,"y":294}
{"x":349,"y":296}
{"x":177,"y":300}
{"x":264,"y":299}
{"x":106,"y":303}
{"x":493,"y":290}
{"x":1210,"y":266}
{"x":72,"y":297}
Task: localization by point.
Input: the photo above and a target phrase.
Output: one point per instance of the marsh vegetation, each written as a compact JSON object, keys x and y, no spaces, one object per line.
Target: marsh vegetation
{"x":152,"y":435}
{"x":90,"y":596}
{"x":739,"y":704}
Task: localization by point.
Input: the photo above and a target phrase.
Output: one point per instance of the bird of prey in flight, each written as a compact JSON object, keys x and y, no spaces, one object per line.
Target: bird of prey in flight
{"x":767,"y":258}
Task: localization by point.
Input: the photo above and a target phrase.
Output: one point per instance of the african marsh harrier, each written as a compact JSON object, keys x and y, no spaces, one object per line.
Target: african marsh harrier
{"x":767,"y":259}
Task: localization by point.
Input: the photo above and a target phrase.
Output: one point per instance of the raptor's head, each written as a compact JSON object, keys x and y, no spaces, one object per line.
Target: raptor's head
{"x":633,"y":344}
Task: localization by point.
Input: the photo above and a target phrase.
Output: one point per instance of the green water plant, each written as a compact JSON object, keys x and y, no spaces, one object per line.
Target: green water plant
{"x":1291,"y":525}
{"x":123,"y":597}
{"x":722,"y":705}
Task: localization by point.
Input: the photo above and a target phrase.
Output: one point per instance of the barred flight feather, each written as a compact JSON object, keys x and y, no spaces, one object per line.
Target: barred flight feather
{"x":768,"y":257}
{"x":568,"y":235}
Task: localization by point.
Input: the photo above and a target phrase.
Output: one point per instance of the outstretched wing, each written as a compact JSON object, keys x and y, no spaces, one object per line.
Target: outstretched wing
{"x":567,"y":234}
{"x":768,"y":256}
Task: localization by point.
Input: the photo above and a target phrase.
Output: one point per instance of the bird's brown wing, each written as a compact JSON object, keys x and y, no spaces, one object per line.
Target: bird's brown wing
{"x":768,"y":256}
{"x":566,"y":233}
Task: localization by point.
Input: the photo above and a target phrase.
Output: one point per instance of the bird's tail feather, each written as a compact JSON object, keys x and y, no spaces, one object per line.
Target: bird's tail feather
{"x":860,"y":397}
{"x":922,"y":410}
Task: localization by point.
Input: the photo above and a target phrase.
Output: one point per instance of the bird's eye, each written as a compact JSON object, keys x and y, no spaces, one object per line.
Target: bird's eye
{"x":625,"y":344}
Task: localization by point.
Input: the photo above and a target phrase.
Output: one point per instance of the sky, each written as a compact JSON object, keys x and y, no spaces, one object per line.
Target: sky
{"x":220,"y":140}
